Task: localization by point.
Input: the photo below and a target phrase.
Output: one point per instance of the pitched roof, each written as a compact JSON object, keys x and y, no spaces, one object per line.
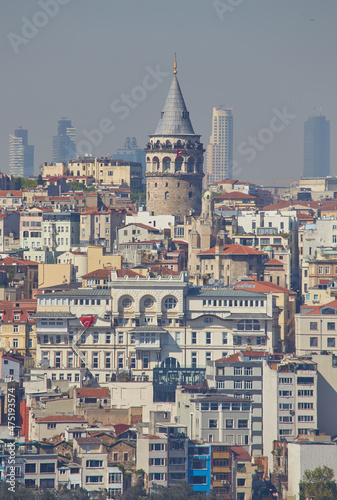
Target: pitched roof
{"x":61,"y":418}
{"x":274,"y":262}
{"x":144,"y":226}
{"x":92,"y":392}
{"x":9,"y":261}
{"x":235,"y":195}
{"x":98,"y":273}
{"x":127,"y":272}
{"x":174,"y":118}
{"x":234,"y":250}
{"x":120,"y":428}
{"x":317,"y":310}
{"x":10,"y":193}
{"x":240,"y":452}
{"x":262,"y":287}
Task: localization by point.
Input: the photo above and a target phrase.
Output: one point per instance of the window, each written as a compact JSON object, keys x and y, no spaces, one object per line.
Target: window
{"x":241,"y":482}
{"x":237,"y":371}
{"x":305,"y":393}
{"x":208,"y":337}
{"x":305,"y":418}
{"x":108,"y":338}
{"x":313,"y":341}
{"x":285,"y":394}
{"x":51,"y":426}
{"x":95,"y":337}
{"x":47,"y":467}
{"x":94,"y":479}
{"x":170,"y":303}
{"x":146,"y":360}
{"x":305,"y":406}
{"x":95,"y":359}
{"x":157,"y":447}
{"x":327,"y":269}
{"x":286,"y":380}
{"x":16,"y":343}
{"x":229,"y":423}
{"x":242,"y":424}
{"x":30,"y":468}
{"x":331,"y":342}
{"x":224,"y":338}
{"x":248,"y":325}
{"x":248,"y":384}
{"x":248,"y":371}
{"x":126,"y":303}
{"x":286,"y":419}
{"x":313,"y":325}
{"x":17,"y":317}
{"x":331,"y":325}
{"x":120,"y":338}
{"x":320,"y":269}
{"x":94,"y":464}
{"x":133,"y":361}
{"x":208,"y":356}
{"x":46,"y":483}
{"x":107,"y":360}
{"x":194,"y":359}
{"x":120,"y":360}
{"x":194,"y":338}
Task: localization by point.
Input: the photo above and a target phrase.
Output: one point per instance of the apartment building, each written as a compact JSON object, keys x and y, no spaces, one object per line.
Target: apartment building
{"x":316,"y":329}
{"x":163,"y":457}
{"x":101,"y":228}
{"x":199,"y":465}
{"x":289,"y":399}
{"x":216,"y":418}
{"x":107,"y":171}
{"x":240,"y":375}
{"x":17,"y":326}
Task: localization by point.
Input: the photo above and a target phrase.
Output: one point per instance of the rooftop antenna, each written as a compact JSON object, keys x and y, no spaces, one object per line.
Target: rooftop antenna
{"x":175,"y":64}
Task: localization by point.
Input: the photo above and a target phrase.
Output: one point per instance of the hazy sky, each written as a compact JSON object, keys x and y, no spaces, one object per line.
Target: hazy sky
{"x":260,"y":57}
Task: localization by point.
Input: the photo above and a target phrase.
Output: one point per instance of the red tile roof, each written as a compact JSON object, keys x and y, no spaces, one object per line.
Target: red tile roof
{"x":127,"y":272}
{"x":98,"y":273}
{"x":274,"y":262}
{"x":240,"y":452}
{"x":9,"y":261}
{"x":261,"y":286}
{"x":120,"y":428}
{"x":4,"y":194}
{"x":234,"y":195}
{"x":317,"y":310}
{"x":144,"y":226}
{"x":234,"y":250}
{"x":61,"y":418}
{"x":92,"y":392}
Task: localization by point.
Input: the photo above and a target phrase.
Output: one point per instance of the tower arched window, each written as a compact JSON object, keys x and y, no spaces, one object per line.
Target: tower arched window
{"x":166,"y":163}
{"x":167,"y":195}
{"x":190,"y":195}
{"x":155,"y":184}
{"x":179,"y":162}
{"x":190,"y":165}
{"x":166,"y":184}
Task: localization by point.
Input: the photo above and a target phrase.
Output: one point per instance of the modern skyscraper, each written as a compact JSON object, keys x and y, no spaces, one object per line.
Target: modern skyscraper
{"x":174,"y":160}
{"x":131,"y":152}
{"x":21,"y":155}
{"x":219,"y":152}
{"x":316,"y":147}
{"x":64,"y":143}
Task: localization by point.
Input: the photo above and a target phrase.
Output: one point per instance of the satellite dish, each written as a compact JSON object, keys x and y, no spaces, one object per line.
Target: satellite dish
{"x":211,"y":281}
{"x":216,"y":282}
{"x":221,"y":281}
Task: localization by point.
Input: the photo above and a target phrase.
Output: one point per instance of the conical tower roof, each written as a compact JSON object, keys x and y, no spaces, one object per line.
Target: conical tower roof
{"x":174,"y":118}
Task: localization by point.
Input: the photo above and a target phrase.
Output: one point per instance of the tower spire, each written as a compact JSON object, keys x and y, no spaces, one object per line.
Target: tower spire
{"x":175,"y":64}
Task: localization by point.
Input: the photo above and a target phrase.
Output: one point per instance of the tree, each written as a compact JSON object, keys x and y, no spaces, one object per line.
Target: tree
{"x":318,"y":483}
{"x":138,"y":198}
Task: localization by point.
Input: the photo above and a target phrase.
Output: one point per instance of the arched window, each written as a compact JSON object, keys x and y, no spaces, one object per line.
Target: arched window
{"x":190,"y":165}
{"x":170,"y":303}
{"x":166,"y":163}
{"x":167,"y":195}
{"x":190,"y":195}
{"x":179,"y":162}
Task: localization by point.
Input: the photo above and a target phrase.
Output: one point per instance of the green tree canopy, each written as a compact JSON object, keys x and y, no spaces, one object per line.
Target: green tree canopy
{"x":318,"y":483}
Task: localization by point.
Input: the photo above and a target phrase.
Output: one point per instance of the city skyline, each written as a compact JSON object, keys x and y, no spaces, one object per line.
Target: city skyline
{"x":262,"y":76}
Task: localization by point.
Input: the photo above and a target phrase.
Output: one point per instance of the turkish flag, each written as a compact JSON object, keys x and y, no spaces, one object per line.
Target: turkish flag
{"x":88,"y":320}
{"x":179,"y":152}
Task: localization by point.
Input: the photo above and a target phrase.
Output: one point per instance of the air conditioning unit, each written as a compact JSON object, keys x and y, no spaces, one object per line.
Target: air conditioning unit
{"x":223,"y":481}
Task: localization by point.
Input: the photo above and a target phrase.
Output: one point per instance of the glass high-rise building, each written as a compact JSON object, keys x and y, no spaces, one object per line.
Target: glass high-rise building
{"x":316,"y":161}
{"x":64,"y":143}
{"x":131,"y":152}
{"x":21,"y":154}
{"x":219,"y":152}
